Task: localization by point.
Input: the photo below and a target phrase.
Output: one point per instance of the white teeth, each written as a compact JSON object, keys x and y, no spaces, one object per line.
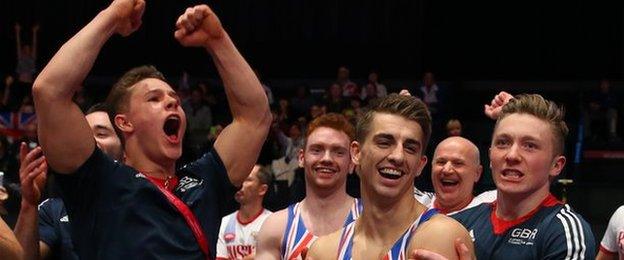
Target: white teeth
{"x":390,"y":171}
{"x":449,"y":181}
{"x":512,"y":173}
{"x":174,"y":117}
{"x":324,"y":170}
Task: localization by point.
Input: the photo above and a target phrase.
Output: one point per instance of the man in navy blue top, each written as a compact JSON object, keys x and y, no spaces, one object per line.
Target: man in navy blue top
{"x":526,"y":221}
{"x":146,"y":209}
{"x":50,"y":238}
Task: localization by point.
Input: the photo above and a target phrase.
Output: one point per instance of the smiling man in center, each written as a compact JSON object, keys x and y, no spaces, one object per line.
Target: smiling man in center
{"x":388,"y":155}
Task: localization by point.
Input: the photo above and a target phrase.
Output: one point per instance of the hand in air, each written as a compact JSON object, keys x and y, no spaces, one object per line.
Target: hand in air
{"x":33,"y":173}
{"x":494,"y":108}
{"x":198,"y":26}
{"x":128,"y":14}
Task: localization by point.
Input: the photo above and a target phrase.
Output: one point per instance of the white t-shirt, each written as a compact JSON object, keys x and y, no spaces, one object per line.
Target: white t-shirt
{"x":236,"y":239}
{"x":613,"y":240}
{"x":428,"y":199}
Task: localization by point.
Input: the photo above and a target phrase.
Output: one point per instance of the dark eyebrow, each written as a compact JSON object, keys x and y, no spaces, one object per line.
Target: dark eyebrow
{"x":411,"y":141}
{"x":103,"y":127}
{"x":153,"y":91}
{"x":503,"y":135}
{"x":174,"y":94}
{"x":529,"y":138}
{"x":383,"y":135}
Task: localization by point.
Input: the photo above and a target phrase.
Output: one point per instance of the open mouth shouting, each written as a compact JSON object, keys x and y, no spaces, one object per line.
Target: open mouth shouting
{"x":172,"y":128}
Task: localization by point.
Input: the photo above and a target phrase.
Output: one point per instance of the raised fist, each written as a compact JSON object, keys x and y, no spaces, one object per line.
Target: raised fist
{"x":128,"y":14}
{"x":494,"y":108}
{"x":198,"y":26}
{"x":18,"y":27}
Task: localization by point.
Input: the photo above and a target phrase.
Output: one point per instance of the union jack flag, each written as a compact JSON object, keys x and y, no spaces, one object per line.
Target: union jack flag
{"x":14,"y":124}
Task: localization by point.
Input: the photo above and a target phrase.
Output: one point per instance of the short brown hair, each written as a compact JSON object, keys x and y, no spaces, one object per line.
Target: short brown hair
{"x":118,"y":98}
{"x":265,"y":176}
{"x":334,"y":121}
{"x":104,"y":107}
{"x":543,"y":109}
{"x":453,"y":123}
{"x":409,"y":107}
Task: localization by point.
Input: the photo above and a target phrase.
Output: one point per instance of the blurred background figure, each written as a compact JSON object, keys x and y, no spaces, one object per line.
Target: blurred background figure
{"x":453,"y":127}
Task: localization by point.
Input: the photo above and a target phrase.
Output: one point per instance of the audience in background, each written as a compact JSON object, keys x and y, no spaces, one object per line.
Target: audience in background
{"x":348,"y":87}
{"x":373,"y":88}
{"x":601,"y":113}
{"x":429,"y":92}
{"x":453,"y":127}
{"x":26,"y":66}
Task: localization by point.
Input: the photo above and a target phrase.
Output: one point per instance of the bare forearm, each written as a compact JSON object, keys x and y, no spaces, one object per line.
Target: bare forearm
{"x":604,"y":256}
{"x":18,"y":44}
{"x":27,"y":231}
{"x":240,"y":142}
{"x":245,"y":94}
{"x":34,"y":45}
{"x":70,"y":65}
{"x":9,"y":247}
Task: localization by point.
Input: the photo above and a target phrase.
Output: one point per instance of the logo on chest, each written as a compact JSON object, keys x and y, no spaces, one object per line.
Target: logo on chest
{"x":522,"y":236}
{"x":187,"y":183}
{"x":229,"y":237}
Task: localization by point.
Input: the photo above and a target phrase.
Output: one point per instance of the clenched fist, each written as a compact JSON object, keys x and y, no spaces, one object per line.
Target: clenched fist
{"x":198,"y":26}
{"x":128,"y":14}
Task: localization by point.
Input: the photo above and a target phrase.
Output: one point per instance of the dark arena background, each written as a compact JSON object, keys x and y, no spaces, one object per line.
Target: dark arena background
{"x":563,"y":50}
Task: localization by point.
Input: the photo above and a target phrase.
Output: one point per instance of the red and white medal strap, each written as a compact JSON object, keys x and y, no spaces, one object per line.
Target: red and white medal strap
{"x":188,"y":215}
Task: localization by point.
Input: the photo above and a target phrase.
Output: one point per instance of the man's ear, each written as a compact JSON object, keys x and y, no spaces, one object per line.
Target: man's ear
{"x":355,"y":153}
{"x":423,"y":163}
{"x":557,"y":165}
{"x":122,"y":123}
{"x":263,"y":189}
{"x":300,"y":156}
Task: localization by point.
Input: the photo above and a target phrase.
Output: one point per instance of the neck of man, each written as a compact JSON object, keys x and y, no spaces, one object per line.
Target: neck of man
{"x":384,"y":221}
{"x":451,"y":207}
{"x":323,"y":215}
{"x":249,"y":211}
{"x":512,"y":206}
{"x":318,"y":193}
{"x":323,"y":200}
{"x":138,"y":160}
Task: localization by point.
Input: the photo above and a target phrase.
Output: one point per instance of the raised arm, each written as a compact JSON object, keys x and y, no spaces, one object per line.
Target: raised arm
{"x":8,"y":84}
{"x":64,"y":133}
{"x":35,"y":32}
{"x":240,"y":142}
{"x":33,"y":170}
{"x":18,"y":40}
